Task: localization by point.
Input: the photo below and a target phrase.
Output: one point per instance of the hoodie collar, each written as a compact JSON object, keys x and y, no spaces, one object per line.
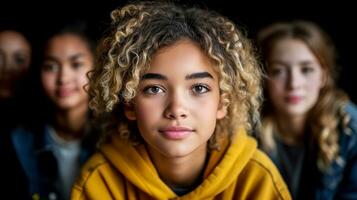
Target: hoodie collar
{"x":222,"y":170}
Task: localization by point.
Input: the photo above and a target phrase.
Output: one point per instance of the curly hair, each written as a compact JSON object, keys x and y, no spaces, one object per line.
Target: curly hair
{"x":326,"y":115}
{"x":139,"y":30}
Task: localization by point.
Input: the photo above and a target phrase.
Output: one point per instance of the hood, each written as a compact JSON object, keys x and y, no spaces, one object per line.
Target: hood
{"x":222,"y":170}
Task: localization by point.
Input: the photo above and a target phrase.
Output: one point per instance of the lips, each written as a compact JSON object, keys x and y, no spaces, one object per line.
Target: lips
{"x":65,"y":92}
{"x":294,"y":99}
{"x":176,"y":133}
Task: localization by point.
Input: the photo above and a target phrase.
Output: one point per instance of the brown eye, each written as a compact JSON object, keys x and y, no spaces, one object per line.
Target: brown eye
{"x":20,"y":59}
{"x":307,"y":70}
{"x":50,"y":67}
{"x":152,"y":90}
{"x":76,"y":65}
{"x":200,"y":89}
{"x":276,"y":71}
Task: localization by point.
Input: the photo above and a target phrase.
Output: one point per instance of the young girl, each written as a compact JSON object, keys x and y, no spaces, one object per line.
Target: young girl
{"x":309,"y":128}
{"x":182,"y":87}
{"x":51,"y":154}
{"x":15,"y":58}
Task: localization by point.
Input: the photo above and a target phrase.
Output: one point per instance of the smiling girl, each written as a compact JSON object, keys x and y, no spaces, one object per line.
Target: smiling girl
{"x":52,"y":152}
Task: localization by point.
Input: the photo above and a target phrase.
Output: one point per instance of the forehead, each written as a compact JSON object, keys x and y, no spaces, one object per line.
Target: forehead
{"x":10,"y":40}
{"x":291,"y":50}
{"x":185,"y":56}
{"x":65,"y":45}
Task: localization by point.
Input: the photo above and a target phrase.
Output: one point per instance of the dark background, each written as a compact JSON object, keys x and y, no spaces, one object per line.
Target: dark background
{"x":337,"y":18}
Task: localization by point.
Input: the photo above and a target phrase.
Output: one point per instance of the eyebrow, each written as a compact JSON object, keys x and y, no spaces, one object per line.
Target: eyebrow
{"x":304,"y":62}
{"x":153,"y":76}
{"x":277,"y":62}
{"x":72,"y":57}
{"x":197,"y":75}
{"x":307,"y":62}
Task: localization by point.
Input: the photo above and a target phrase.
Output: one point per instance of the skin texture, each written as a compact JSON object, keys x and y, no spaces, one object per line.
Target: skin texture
{"x":15,"y":57}
{"x":66,"y":64}
{"x":179,"y":91}
{"x":64,"y":75}
{"x":295,"y":80}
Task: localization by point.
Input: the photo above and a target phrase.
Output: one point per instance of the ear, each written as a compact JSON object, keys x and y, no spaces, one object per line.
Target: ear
{"x":129,"y":111}
{"x":222,"y":107}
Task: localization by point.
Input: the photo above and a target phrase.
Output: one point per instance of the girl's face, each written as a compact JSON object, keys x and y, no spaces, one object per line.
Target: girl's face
{"x":178,"y":102}
{"x":295,"y":78}
{"x":14,"y":61}
{"x":67,"y":61}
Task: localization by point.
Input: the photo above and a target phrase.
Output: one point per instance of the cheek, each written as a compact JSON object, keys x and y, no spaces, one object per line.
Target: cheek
{"x":206,"y":114}
{"x":314,"y":91}
{"x":82,"y":79}
{"x":315,"y":84}
{"x":48,"y":81}
{"x":148,"y":110}
{"x":206,"y":108}
{"x":275,"y":88}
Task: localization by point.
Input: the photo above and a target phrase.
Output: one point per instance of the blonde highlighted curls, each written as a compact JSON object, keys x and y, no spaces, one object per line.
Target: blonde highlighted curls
{"x":139,"y":30}
{"x":326,"y":116}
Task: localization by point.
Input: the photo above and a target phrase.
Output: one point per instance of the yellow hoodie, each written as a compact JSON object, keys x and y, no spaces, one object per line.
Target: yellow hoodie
{"x":122,"y":171}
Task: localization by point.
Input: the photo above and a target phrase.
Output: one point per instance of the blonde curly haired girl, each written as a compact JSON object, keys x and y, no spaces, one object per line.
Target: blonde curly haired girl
{"x":181,"y":87}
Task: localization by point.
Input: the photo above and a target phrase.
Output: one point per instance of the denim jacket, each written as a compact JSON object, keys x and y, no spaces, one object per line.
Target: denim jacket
{"x":339,"y":181}
{"x":35,"y":153}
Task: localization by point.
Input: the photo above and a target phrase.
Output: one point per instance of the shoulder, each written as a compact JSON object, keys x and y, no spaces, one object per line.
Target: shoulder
{"x":348,"y":131}
{"x":97,"y":179}
{"x":29,"y":137}
{"x":22,"y":138}
{"x":26,"y":134}
{"x":21,"y":133}
{"x":93,"y":166}
{"x":348,"y":128}
{"x":351,"y":110}
{"x":265,"y":177}
{"x":265,"y":169}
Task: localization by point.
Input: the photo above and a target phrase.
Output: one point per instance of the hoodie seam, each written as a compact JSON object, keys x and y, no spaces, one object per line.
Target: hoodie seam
{"x":91,"y":171}
{"x":278,"y":189}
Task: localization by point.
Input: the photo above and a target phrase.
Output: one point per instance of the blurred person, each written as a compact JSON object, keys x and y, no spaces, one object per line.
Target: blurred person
{"x":309,"y":127}
{"x":52,"y":152}
{"x":15,"y":58}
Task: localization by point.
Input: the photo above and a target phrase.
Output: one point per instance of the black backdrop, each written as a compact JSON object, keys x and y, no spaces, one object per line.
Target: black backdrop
{"x":35,"y":19}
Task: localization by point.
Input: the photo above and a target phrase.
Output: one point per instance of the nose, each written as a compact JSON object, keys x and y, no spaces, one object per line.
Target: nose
{"x":294,"y":79}
{"x":64,"y":75}
{"x":176,"y":108}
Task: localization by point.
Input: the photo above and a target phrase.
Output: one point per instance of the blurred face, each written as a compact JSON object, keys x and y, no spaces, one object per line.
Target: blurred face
{"x":295,"y":78}
{"x":178,"y":102}
{"x":15,"y":53}
{"x":64,"y":71}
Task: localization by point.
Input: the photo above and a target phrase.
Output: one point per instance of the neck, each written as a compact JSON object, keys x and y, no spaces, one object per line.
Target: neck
{"x":69,"y":123}
{"x":180,"y":171}
{"x":291,"y":129}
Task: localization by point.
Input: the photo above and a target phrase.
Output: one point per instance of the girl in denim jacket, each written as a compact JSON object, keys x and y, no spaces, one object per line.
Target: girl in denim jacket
{"x":52,"y":152}
{"x":309,"y":128}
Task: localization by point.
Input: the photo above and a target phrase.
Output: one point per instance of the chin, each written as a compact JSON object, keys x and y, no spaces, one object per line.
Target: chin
{"x":176,"y":152}
{"x":296,"y":112}
{"x":65,"y":105}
